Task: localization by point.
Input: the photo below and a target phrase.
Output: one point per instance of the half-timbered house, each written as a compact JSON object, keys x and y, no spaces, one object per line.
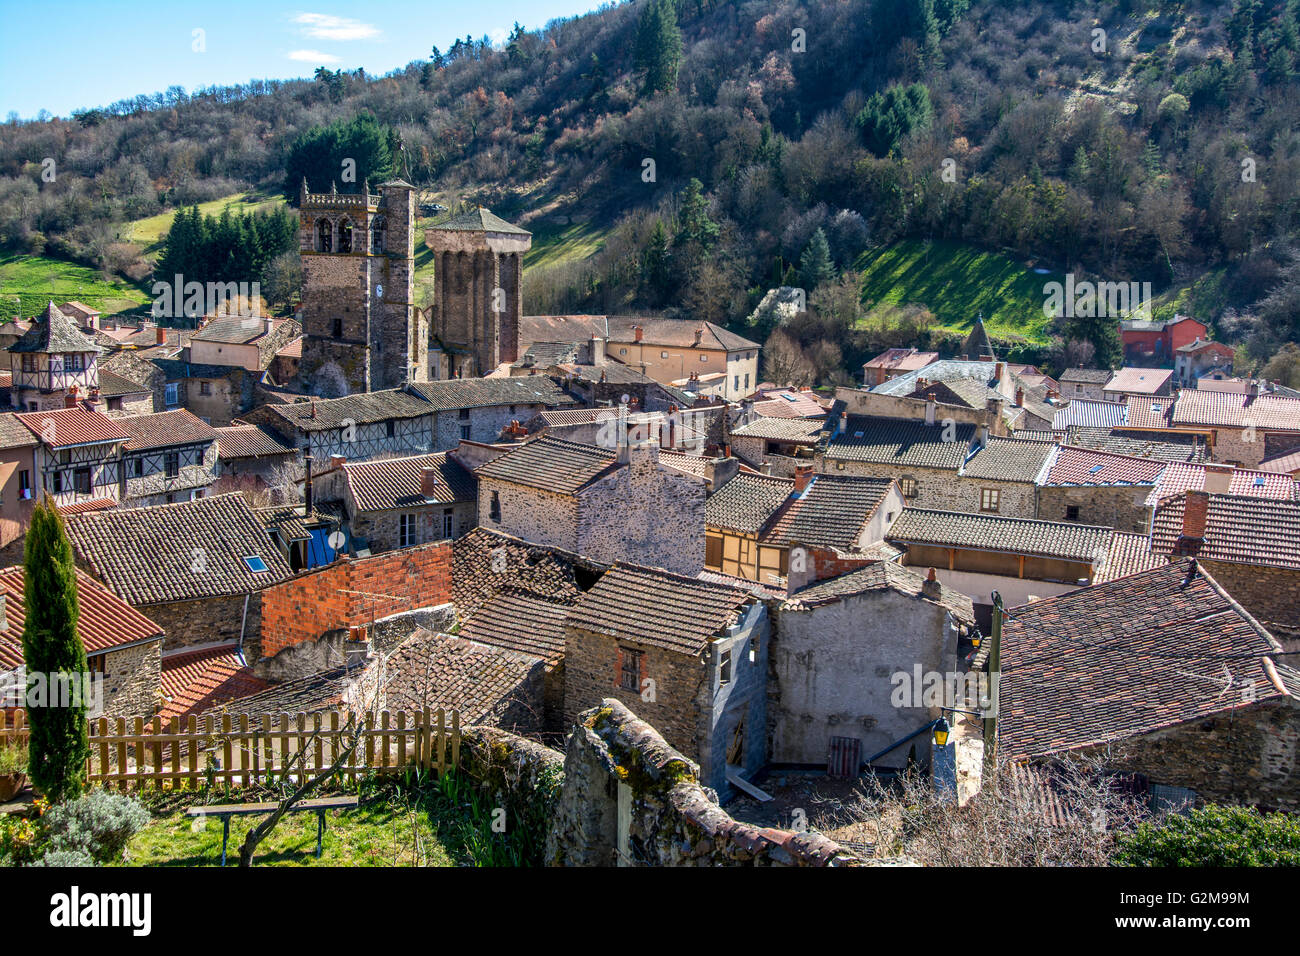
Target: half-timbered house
{"x":171,"y":456}
{"x":79,"y":455}
{"x":52,"y":360}
{"x":356,"y":427}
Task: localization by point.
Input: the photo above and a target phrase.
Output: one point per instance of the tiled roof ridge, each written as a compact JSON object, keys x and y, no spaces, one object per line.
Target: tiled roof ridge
{"x":1009,"y":518}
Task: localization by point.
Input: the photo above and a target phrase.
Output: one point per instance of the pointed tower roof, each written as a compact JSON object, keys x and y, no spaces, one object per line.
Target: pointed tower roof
{"x":978,"y":346}
{"x":53,"y":331}
{"x":481,"y":219}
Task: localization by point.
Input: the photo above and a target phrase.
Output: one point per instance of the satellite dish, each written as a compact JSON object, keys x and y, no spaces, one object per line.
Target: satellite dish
{"x":626,"y":398}
{"x":337,"y":540}
{"x":379,"y":291}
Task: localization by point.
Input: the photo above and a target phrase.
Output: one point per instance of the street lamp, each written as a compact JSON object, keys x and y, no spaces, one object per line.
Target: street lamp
{"x":941,"y":731}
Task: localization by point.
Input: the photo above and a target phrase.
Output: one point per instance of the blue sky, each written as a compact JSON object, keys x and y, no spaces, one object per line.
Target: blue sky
{"x":61,"y":56}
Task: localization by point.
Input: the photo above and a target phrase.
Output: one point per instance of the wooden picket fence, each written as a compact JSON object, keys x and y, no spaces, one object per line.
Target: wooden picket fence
{"x":246,"y":750}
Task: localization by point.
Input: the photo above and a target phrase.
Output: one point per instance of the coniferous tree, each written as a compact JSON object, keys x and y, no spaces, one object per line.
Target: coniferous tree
{"x":815,"y":265}
{"x":658,"y":49}
{"x":59,"y":745}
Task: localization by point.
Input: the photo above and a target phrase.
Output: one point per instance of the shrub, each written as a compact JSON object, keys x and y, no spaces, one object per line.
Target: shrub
{"x":65,"y":858}
{"x":13,"y":760}
{"x":99,"y":824}
{"x":1214,"y":836}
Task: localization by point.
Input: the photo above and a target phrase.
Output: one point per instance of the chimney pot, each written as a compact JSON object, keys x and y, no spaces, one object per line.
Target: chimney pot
{"x":337,"y":461}
{"x":160,"y":335}
{"x":637,"y":333}
{"x":803,"y":476}
{"x":429,"y":482}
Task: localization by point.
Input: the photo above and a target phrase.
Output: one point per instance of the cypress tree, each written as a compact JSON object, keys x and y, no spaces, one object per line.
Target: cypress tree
{"x":59,"y":743}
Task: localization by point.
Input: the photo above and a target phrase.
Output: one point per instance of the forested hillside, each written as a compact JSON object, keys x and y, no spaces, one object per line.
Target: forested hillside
{"x":788,"y":142}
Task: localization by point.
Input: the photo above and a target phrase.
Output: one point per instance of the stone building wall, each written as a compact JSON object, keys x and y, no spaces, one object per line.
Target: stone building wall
{"x":630,"y":799}
{"x":1121,"y":507}
{"x":1244,"y":756}
{"x":485,"y":424}
{"x":645,"y":514}
{"x":542,"y":517}
{"x":217,"y":620}
{"x":830,"y":682}
{"x":940,"y":489}
{"x":1270,"y":595}
{"x":133,"y":680}
{"x":382,"y":529}
{"x":197,"y":471}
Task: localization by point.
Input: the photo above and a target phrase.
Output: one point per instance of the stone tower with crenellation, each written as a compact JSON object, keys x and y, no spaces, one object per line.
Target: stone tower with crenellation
{"x":361,"y":331}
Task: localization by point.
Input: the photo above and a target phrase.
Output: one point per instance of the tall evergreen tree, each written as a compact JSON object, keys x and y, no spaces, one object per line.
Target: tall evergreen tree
{"x":658,"y":48}
{"x":815,"y":265}
{"x":59,"y":745}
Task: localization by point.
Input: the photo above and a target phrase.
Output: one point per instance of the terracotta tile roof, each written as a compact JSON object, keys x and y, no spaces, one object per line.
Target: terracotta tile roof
{"x":112,"y":385}
{"x":979,"y":532}
{"x":396,"y":482}
{"x":197,"y":681}
{"x":676,"y":333}
{"x":881,"y":576}
{"x":303,"y":695}
{"x":561,"y":328}
{"x":1284,"y":464}
{"x":161,"y":429}
{"x":786,"y":403}
{"x":1084,"y":466}
{"x":232,"y":330}
{"x":53,"y":332}
{"x":696,"y":465}
{"x":1237,"y":529}
{"x":747,"y":503}
{"x":1124,"y":659}
{"x":13,"y":434}
{"x":570,"y":416}
{"x":764,"y":591}
{"x":1086,"y":376}
{"x":1082,"y":411}
{"x":521,"y":620}
{"x":92,"y":504}
{"x":901,"y":360}
{"x":1128,"y":554}
{"x":658,"y":608}
{"x":105,"y":621}
{"x":248,"y":441}
{"x":362,"y":408}
{"x":293,"y":350}
{"x":551,"y":464}
{"x":1139,"y":381}
{"x":891,"y":441}
{"x":68,"y":427}
{"x":546,"y":354}
{"x":1197,"y":407}
{"x":153,"y":555}
{"x":1009,"y":459}
{"x":1170,"y":446}
{"x":486,"y":563}
{"x":1149,"y":412}
{"x":457,"y":393}
{"x":796,"y":430}
{"x":830,"y":513}
{"x":1180,"y":476}
{"x":485,"y":684}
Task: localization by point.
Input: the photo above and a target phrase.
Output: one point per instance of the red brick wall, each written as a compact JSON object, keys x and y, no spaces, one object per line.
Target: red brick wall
{"x":305,"y":607}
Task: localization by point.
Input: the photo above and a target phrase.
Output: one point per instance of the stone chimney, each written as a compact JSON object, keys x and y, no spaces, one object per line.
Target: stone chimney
{"x":597,"y":350}
{"x":997,"y":370}
{"x":429,"y":483}
{"x":1020,"y":396}
{"x":931,"y":586}
{"x":930,"y":406}
{"x":70,"y":398}
{"x":719,"y":471}
{"x":1218,"y":479}
{"x":637,"y":333}
{"x":803,"y":476}
{"x":1252,"y":390}
{"x":1195,"y":510}
{"x":337,"y":462}
{"x":699,"y":335}
{"x":160,"y":335}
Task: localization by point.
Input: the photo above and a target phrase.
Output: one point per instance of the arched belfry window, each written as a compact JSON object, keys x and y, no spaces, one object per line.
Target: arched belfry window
{"x":324,"y":235}
{"x":345,"y":235}
{"x":377,"y":229}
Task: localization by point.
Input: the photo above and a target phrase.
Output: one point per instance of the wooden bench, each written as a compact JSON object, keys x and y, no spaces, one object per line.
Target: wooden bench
{"x":228,"y":810}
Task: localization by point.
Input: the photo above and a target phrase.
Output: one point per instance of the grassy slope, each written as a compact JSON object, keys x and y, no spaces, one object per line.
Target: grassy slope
{"x":149,"y":232}
{"x":37,"y":279}
{"x":957,"y":282}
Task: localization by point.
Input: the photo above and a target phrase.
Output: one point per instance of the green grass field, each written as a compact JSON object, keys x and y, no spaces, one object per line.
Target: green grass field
{"x":27,"y":283}
{"x":149,"y":232}
{"x":381,"y":833}
{"x":553,"y":244}
{"x":957,"y":282}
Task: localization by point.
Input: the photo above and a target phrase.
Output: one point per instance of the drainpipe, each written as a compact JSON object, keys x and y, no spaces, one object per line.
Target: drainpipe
{"x":308,"y":497}
{"x":242,"y":624}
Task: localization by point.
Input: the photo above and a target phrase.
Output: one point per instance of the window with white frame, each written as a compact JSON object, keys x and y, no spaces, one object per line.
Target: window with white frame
{"x":405,"y":530}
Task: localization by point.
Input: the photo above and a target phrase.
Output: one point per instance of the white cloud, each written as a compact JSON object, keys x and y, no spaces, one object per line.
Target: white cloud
{"x":324,"y":26}
{"x":313,"y":56}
